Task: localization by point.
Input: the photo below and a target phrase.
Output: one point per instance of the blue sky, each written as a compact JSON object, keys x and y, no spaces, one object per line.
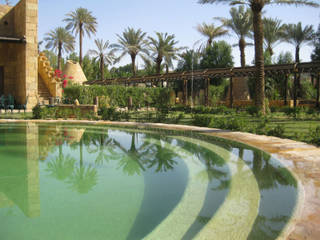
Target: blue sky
{"x":177,"y":17}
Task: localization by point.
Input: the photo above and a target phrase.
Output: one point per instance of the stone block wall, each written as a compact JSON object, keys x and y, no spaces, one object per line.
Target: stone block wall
{"x":20,"y":61}
{"x":6,"y":21}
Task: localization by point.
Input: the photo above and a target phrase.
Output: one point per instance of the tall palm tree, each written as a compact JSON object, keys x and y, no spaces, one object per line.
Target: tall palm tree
{"x":81,"y":21}
{"x":257,"y":7}
{"x":272,"y":31}
{"x":104,"y":56}
{"x":60,"y":40}
{"x":163,"y":48}
{"x":211,"y":32}
{"x":131,"y":42}
{"x":297,"y":36}
{"x":241,"y":24}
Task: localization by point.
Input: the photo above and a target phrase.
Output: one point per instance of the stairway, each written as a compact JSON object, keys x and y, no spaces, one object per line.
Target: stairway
{"x":43,"y":92}
{"x":48,"y":84}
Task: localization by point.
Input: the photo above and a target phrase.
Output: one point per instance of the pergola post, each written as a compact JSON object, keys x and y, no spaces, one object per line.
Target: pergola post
{"x":231,"y":92}
{"x":318,"y":90}
{"x":295,"y":90}
{"x":286,"y":90}
{"x":185,"y":91}
{"x":207,"y":84}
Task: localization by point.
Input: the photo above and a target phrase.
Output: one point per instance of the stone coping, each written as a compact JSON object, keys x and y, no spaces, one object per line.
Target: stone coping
{"x":302,"y":159}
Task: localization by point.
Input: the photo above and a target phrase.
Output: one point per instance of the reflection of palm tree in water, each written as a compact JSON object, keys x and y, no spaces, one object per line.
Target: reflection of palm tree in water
{"x":270,"y":177}
{"x":83,"y":178}
{"x":162,"y":155}
{"x":61,"y":167}
{"x":131,"y":162}
{"x":214,"y":165}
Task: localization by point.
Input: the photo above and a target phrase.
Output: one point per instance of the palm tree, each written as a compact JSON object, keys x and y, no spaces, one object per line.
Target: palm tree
{"x":105,"y":57}
{"x":295,"y":35}
{"x":257,"y":7}
{"x":131,"y":42}
{"x":272,"y":31}
{"x":81,"y":21}
{"x":60,"y":40}
{"x":241,"y":24}
{"x":211,"y":32}
{"x":163,"y":47}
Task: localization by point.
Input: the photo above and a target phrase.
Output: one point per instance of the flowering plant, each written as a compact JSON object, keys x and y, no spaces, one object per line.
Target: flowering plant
{"x":63,"y":77}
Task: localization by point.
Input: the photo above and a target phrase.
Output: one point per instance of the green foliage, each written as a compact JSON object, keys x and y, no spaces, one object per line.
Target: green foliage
{"x":218,"y":92}
{"x":315,"y":56}
{"x":278,"y":131}
{"x":110,"y":114}
{"x":202,"y":120}
{"x":308,"y":91}
{"x":252,"y":110}
{"x":219,"y":55}
{"x":315,"y":135}
{"x":293,"y":112}
{"x":45,"y":112}
{"x":122,"y":71}
{"x":190,"y":59}
{"x":119,"y":95}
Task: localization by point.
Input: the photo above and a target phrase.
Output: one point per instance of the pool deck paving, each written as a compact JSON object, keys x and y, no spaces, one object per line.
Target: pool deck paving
{"x":302,"y":159}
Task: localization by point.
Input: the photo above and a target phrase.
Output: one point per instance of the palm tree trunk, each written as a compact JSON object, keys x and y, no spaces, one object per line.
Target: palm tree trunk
{"x":298,"y":77}
{"x":167,"y":68}
{"x":102,"y":68}
{"x":259,"y":60}
{"x":242,"y":45}
{"x":159,"y":61}
{"x":133,"y":62}
{"x":80,"y":44}
{"x":297,"y":54}
{"x":59,"y":55}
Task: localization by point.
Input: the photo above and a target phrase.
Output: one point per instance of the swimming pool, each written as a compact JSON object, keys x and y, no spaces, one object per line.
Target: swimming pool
{"x":73,"y":181}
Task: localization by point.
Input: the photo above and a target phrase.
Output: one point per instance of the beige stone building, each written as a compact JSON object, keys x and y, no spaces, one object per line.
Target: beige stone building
{"x":24,"y":73}
{"x":19,"y":51}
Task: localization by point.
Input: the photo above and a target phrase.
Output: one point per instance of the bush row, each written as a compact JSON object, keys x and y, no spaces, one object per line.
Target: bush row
{"x":44,"y":112}
{"x":118,"y":96}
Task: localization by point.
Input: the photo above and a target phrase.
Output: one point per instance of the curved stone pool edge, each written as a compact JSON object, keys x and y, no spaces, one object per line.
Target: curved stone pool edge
{"x":302,"y":159}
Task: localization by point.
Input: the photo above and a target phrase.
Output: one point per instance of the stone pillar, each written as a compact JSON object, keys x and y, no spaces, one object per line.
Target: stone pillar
{"x":207,"y":85}
{"x":286,"y":90}
{"x":185,"y":92}
{"x":231,"y":92}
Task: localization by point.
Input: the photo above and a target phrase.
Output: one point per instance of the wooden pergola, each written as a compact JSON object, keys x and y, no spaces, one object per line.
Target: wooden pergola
{"x":295,"y":69}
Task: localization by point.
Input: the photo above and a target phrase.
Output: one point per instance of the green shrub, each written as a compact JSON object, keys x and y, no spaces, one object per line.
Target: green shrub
{"x":278,"y":131}
{"x":36,"y":112}
{"x":44,"y":112}
{"x":109,"y":114}
{"x":252,"y":110}
{"x":118,"y":96}
{"x":315,"y":135}
{"x":293,"y":112}
{"x":233,"y":124}
{"x":202,"y":120}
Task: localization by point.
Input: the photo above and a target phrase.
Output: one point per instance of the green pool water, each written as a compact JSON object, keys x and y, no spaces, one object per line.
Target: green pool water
{"x":62,"y":181}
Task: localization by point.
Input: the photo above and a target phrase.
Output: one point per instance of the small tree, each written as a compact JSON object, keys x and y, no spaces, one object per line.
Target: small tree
{"x":219,"y":55}
{"x":315,"y":56}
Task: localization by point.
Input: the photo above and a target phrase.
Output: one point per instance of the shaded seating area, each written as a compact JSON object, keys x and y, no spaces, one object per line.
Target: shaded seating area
{"x":8,"y":103}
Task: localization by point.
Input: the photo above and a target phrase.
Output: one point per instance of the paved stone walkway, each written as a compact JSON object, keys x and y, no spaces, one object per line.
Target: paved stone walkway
{"x":302,"y":159}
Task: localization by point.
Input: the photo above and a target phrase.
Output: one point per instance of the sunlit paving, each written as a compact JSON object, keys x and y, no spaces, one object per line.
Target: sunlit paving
{"x":193,"y":119}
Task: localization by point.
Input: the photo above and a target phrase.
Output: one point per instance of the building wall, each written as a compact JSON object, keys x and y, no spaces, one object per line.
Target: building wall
{"x":20,"y":61}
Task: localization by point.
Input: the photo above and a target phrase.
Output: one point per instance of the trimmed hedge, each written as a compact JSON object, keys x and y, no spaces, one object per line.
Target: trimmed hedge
{"x":119,"y":95}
